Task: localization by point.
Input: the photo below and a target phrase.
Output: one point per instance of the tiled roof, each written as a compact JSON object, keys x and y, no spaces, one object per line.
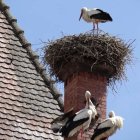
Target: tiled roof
{"x":28,"y":100}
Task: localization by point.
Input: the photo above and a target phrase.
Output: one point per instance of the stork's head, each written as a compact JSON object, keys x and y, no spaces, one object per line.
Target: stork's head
{"x":87,"y":96}
{"x":111,"y":114}
{"x":82,"y":11}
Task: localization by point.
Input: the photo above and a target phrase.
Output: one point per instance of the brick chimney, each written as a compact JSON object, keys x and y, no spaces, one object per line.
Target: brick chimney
{"x":75,"y":88}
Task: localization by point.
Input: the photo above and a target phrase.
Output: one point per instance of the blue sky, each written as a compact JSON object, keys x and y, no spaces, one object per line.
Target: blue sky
{"x":45,"y":20}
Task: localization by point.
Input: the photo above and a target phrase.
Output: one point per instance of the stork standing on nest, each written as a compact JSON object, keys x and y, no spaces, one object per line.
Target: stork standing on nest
{"x":68,"y":125}
{"x":108,"y":127}
{"x":95,"y":16}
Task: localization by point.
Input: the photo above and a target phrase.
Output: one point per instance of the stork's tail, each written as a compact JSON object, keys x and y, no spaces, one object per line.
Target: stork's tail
{"x":60,"y":121}
{"x":108,"y":17}
{"x":93,"y":137}
{"x":55,"y":127}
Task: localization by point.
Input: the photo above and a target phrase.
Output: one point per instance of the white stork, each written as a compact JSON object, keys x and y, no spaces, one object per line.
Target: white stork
{"x":108,"y":127}
{"x":68,"y":125}
{"x":95,"y":16}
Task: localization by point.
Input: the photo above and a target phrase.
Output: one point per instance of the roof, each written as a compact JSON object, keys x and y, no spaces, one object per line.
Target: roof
{"x":28,"y":100}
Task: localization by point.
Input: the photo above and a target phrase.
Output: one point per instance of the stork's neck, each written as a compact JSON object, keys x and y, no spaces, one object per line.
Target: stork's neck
{"x":89,"y":104}
{"x":86,"y":16}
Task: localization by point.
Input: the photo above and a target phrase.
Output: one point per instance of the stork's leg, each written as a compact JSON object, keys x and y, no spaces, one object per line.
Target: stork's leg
{"x":82,"y":132}
{"x":93,"y":26}
{"x":97,"y":28}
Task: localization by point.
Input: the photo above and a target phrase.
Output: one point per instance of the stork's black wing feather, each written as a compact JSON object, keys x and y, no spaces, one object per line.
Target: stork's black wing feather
{"x":100,"y":10}
{"x":98,"y":132}
{"x":60,"y":121}
{"x":70,"y":125}
{"x":63,"y":116}
{"x":102,"y":16}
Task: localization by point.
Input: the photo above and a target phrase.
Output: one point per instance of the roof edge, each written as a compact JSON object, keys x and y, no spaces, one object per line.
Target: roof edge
{"x":35,"y":58}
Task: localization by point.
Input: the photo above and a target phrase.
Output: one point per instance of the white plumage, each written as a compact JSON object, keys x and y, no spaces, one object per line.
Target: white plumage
{"x":108,"y":127}
{"x":95,"y":16}
{"x":68,"y":125}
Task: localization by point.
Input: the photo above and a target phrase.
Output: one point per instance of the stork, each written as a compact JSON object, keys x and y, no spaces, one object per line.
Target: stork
{"x":68,"y":125}
{"x":95,"y":16}
{"x":108,"y":127}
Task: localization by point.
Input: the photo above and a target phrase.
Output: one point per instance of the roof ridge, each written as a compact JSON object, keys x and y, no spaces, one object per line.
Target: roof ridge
{"x":35,"y":58}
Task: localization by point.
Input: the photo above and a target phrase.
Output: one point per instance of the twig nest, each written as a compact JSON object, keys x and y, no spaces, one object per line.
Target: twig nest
{"x":103,"y":54}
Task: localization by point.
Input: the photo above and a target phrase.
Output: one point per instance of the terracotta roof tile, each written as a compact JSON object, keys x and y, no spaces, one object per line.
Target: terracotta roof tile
{"x":28,"y":101}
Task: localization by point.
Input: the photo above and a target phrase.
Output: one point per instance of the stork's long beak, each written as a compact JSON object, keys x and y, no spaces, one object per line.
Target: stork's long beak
{"x":81,"y":15}
{"x":88,"y":103}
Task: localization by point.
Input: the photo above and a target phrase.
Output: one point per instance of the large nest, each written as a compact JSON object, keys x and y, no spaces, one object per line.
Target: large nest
{"x":102,"y":54}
